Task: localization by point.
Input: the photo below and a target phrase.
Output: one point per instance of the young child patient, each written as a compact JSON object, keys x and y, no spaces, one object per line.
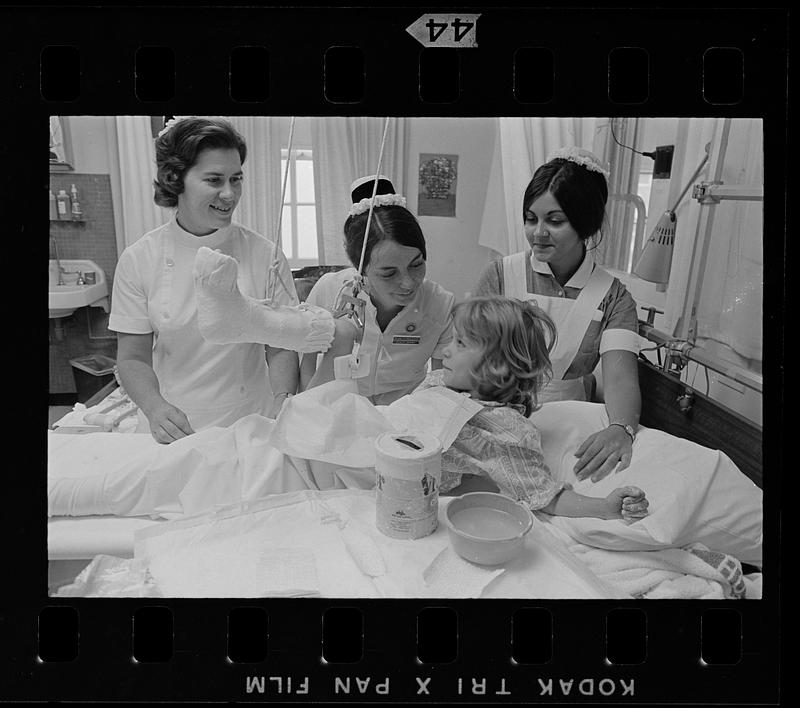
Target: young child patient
{"x":499,"y":356}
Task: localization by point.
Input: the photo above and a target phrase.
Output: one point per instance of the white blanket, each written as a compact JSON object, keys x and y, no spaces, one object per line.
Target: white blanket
{"x":323,"y":439}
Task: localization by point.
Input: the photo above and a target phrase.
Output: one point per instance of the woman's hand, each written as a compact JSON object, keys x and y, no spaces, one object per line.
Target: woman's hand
{"x":601,"y":452}
{"x":167,"y":423}
{"x":627,"y":503}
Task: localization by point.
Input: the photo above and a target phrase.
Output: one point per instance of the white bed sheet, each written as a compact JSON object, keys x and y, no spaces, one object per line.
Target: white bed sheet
{"x":239,"y":535}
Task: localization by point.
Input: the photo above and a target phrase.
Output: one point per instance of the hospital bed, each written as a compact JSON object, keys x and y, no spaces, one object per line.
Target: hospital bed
{"x":290,"y":524}
{"x":72,"y":542}
{"x":560,"y":559}
{"x":544,"y":569}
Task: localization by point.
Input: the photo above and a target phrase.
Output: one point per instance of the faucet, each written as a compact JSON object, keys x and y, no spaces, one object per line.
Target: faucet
{"x":59,"y":269}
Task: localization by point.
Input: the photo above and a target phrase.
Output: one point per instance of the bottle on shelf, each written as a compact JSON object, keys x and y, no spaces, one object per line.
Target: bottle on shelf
{"x":77,"y":212}
{"x":64,"y":207}
{"x":53,"y":207}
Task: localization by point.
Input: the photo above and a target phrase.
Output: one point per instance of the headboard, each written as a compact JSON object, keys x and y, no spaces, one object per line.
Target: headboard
{"x":707,"y":422}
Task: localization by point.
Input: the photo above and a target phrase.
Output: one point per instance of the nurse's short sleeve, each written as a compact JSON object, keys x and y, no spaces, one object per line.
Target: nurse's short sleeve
{"x":621,"y":322}
{"x":285,"y":292}
{"x":325,"y":291}
{"x":490,"y":281}
{"x":129,"y":313}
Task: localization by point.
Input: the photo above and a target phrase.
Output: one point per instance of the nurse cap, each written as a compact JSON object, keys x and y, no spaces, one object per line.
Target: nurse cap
{"x":580,"y":156}
{"x":361,"y":194}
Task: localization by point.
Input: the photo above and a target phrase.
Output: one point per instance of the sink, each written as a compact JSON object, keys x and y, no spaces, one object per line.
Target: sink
{"x":64,"y":299}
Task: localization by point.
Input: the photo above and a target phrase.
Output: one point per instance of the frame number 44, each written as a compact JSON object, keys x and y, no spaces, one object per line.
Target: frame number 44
{"x":445,"y":30}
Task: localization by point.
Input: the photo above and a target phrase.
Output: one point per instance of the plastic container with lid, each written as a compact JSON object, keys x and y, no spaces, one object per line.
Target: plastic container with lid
{"x":63,"y":205}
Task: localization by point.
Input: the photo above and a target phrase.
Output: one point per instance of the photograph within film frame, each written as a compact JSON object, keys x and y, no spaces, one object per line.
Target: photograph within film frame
{"x":353,"y":62}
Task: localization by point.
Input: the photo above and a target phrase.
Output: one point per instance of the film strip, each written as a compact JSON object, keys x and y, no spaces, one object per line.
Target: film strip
{"x":484,"y":62}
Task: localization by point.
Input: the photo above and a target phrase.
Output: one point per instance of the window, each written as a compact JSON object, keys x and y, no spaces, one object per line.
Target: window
{"x":643,"y":189}
{"x":299,"y":219}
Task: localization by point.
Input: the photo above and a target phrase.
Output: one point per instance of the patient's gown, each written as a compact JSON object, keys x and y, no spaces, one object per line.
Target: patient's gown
{"x":499,"y":442}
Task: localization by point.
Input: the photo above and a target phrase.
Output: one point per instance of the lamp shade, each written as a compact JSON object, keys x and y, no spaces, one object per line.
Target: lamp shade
{"x":656,"y":259}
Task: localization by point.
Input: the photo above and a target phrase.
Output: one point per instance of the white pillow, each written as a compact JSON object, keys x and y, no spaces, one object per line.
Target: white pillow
{"x":696,"y":494}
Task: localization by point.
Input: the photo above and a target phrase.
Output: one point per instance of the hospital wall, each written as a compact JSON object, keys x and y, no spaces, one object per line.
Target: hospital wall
{"x":455,"y":259}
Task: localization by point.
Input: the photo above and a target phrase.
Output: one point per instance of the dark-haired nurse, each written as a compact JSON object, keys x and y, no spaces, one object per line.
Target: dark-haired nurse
{"x":181,"y":382}
{"x":408,"y":317}
{"x":595,"y":316}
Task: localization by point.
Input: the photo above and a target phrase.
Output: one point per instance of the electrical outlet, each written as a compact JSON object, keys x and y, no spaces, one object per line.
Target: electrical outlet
{"x":662,"y":169}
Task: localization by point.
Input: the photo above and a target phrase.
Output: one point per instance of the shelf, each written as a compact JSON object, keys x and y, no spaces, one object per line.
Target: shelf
{"x":67,"y":221}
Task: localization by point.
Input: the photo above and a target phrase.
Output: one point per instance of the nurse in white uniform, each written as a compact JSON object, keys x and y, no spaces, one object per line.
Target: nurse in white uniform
{"x":595,"y":316}
{"x":181,"y":382}
{"x":408,"y":319}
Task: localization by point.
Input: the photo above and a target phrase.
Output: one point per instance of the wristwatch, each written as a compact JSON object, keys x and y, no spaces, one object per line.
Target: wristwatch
{"x":627,"y":428}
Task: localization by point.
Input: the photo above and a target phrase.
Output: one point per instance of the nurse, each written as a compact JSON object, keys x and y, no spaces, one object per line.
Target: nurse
{"x":181,"y":382}
{"x":595,"y":316}
{"x":408,"y":319}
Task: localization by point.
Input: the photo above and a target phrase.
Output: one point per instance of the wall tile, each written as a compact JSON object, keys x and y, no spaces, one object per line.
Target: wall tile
{"x":95,"y":239}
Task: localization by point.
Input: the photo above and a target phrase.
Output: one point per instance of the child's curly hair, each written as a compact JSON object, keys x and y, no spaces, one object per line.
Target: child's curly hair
{"x":517,"y":338}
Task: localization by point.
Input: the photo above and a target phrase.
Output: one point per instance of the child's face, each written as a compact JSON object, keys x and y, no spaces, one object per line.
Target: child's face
{"x":460,"y":357}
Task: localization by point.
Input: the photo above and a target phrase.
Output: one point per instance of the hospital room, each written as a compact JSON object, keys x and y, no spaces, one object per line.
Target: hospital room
{"x":404,"y":357}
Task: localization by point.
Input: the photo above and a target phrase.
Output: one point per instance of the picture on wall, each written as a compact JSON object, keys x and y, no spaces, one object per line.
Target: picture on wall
{"x":438,"y":175}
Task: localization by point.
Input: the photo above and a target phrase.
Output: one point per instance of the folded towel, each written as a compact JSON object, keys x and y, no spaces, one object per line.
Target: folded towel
{"x":449,"y":575}
{"x":77,"y":416}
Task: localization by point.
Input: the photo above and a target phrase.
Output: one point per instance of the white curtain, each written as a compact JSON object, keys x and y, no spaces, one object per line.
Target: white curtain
{"x":137,"y":166}
{"x":345,"y":149}
{"x":521,"y":145}
{"x":692,"y":137}
{"x":614,"y":246}
{"x":258,"y":208}
{"x":261,"y":194}
{"x":729,"y":311}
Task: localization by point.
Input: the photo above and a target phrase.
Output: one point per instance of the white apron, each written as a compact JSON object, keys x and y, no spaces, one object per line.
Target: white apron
{"x":571,"y":317}
{"x":213,"y":384}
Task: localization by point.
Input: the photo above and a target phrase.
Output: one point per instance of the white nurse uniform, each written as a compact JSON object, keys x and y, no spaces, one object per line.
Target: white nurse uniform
{"x":400,"y":353}
{"x":213,"y":384}
{"x":593,"y":314}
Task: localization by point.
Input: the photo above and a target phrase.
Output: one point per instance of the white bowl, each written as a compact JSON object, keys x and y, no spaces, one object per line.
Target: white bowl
{"x":487,"y":528}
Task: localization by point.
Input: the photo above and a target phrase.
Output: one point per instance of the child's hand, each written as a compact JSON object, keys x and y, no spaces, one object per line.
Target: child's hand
{"x":346,"y":332}
{"x":627,"y":503}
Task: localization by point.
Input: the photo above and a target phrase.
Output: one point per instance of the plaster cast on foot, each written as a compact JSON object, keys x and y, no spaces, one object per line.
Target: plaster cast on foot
{"x":226,"y":316}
